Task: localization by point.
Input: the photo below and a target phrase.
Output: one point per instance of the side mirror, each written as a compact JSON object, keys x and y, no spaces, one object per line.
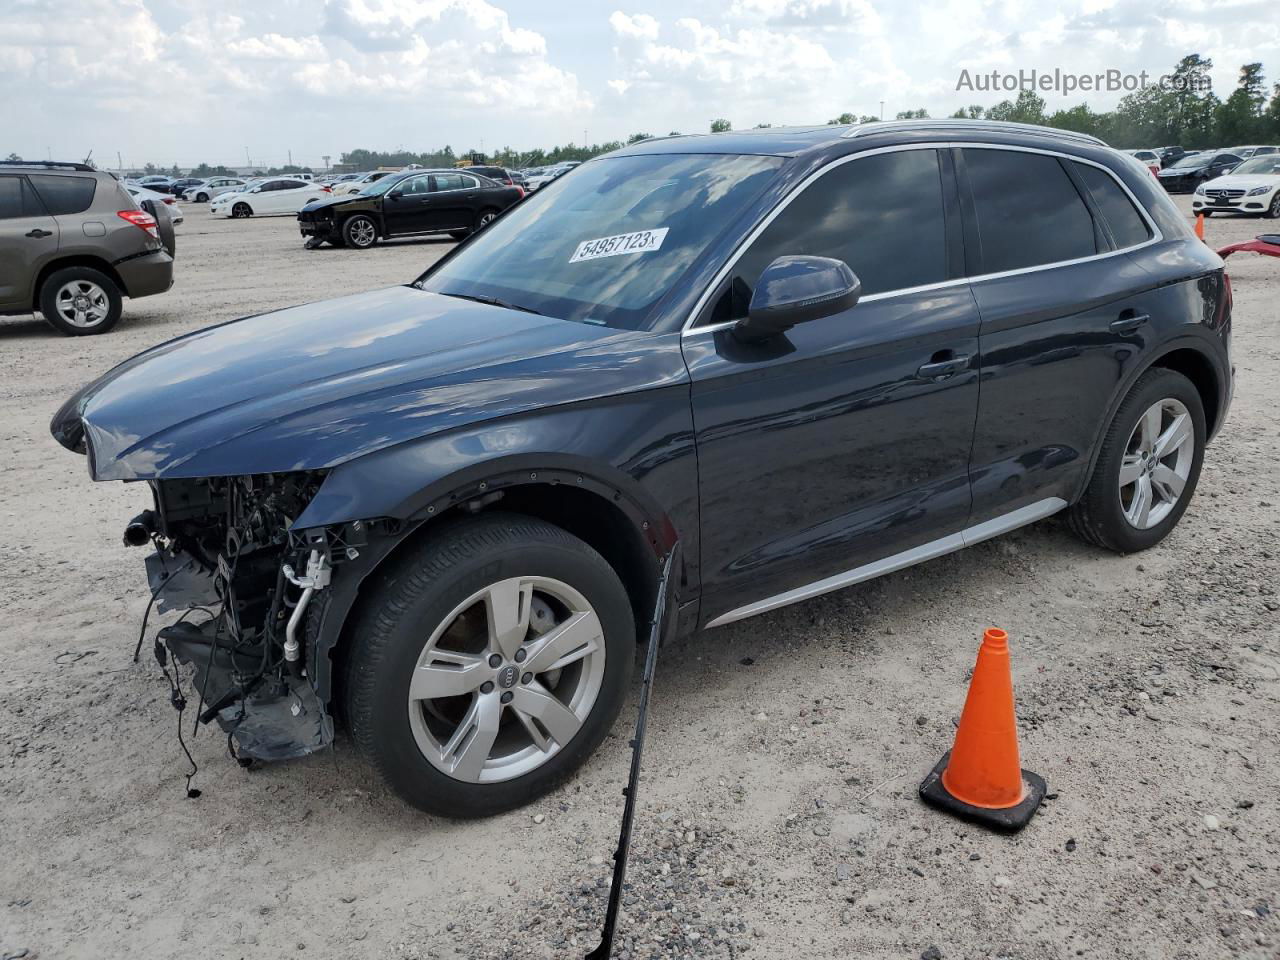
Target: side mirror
{"x":794,"y":290}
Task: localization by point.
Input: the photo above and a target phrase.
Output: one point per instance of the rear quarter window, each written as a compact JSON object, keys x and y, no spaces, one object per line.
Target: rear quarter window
{"x":65,"y":195}
{"x":1126,"y":223}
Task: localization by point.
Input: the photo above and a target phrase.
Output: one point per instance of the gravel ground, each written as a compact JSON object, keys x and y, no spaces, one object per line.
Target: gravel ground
{"x":778,"y":815}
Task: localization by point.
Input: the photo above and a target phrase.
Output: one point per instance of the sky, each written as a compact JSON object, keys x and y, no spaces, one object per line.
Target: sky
{"x":266,"y":81}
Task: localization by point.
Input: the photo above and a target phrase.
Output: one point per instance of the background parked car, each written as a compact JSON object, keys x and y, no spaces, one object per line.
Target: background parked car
{"x":177,"y":187}
{"x":205,"y":190}
{"x":360,"y":182}
{"x":154,"y":181}
{"x":548,"y":174}
{"x":1193,"y":170}
{"x":1252,"y":187}
{"x":274,"y":196}
{"x":410,"y":203}
{"x":140,"y":194}
{"x":1149,"y":158}
{"x":74,"y":243}
{"x":496,"y":174}
{"x":1170,"y":155}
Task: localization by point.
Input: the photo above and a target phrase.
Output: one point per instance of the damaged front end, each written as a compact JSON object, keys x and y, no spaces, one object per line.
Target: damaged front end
{"x":249,"y":588}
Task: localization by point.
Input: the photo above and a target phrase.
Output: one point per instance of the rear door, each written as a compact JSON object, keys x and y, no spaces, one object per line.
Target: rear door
{"x":28,"y":240}
{"x":1065,"y":315}
{"x":845,"y":442}
{"x":457,"y":196}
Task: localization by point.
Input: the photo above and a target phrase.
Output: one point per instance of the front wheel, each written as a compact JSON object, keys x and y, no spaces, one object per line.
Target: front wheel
{"x":241,"y":210}
{"x":360,"y":232}
{"x":489,"y":665}
{"x":1148,"y":467}
{"x":202,"y":198}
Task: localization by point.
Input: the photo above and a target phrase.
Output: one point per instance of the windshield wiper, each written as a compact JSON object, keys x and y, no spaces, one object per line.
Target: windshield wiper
{"x":495,"y":302}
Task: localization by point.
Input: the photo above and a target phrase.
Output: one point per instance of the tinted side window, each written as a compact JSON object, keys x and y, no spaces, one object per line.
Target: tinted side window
{"x":448,"y":181}
{"x":882,"y":215}
{"x":1029,"y":211}
{"x":16,"y":200}
{"x":65,"y":195}
{"x":1127,"y":225}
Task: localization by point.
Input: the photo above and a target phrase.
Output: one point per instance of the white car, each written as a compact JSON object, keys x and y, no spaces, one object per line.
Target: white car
{"x":142,"y":193}
{"x":274,"y":196}
{"x":355,"y":186}
{"x":206,"y":190}
{"x":548,"y":174}
{"x":1253,"y":187}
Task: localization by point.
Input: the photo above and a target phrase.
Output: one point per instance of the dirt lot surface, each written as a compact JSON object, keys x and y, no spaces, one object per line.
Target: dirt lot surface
{"x":778,"y":817}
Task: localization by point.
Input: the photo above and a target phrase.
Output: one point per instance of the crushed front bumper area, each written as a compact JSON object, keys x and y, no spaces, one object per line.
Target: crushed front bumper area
{"x":276,"y":720}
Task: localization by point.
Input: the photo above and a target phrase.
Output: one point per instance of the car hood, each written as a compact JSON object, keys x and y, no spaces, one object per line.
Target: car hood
{"x":335,"y":200}
{"x":313,"y":386}
{"x":1245,"y":181}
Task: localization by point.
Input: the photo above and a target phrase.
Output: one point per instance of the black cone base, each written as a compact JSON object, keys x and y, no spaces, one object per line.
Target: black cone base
{"x":1008,"y":820}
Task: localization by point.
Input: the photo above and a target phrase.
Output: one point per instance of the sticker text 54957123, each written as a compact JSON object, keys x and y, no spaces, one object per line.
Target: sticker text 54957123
{"x":642,"y":241}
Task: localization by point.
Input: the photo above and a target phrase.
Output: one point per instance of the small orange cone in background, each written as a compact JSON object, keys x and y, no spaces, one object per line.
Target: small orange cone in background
{"x":1200,"y":225}
{"x":981,"y":778}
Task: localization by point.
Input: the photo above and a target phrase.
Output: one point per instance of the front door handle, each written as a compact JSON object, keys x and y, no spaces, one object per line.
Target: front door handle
{"x":38,"y":234}
{"x":944,"y":364}
{"x":1129,"y":321}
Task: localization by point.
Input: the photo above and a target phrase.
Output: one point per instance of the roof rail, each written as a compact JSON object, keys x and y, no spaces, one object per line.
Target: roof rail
{"x":48,"y":165}
{"x":956,"y":123}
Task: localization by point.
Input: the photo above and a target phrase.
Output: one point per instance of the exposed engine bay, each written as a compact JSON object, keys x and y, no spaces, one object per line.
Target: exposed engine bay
{"x":226,"y":559}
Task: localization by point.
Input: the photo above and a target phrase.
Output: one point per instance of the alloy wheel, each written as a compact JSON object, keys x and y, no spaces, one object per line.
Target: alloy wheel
{"x":1156,"y":463}
{"x":1274,"y":210}
{"x":507,"y":680}
{"x":362,"y":233}
{"x":486,"y":219}
{"x":82,"y":303}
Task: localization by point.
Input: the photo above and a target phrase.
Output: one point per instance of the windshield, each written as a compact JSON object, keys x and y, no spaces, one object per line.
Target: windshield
{"x":1197,"y":160}
{"x":379,"y":186}
{"x":606,"y":244}
{"x":1266,"y":164}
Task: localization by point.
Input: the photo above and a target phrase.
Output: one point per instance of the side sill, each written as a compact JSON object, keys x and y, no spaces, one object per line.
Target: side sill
{"x":899,"y":561}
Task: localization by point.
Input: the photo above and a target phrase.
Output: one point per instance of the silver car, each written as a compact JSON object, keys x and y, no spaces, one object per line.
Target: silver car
{"x":206,"y":190}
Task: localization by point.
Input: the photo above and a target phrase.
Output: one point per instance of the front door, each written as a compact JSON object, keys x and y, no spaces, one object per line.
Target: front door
{"x":845,"y":442}
{"x":407,"y":207}
{"x":28,"y":239}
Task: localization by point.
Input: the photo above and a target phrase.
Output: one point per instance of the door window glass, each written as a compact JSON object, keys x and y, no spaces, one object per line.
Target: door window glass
{"x":882,"y":215}
{"x":1029,"y":212}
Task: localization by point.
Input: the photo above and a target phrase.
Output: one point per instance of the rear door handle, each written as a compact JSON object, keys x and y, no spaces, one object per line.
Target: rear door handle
{"x":944,"y":364}
{"x":1129,"y":321}
{"x":37,"y":233}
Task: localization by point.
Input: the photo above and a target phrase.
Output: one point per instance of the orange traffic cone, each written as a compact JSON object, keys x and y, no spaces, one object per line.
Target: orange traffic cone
{"x":1200,"y":225}
{"x":980,"y":778}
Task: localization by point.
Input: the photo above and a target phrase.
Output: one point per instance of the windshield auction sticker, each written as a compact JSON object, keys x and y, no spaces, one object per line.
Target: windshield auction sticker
{"x":642,"y":241}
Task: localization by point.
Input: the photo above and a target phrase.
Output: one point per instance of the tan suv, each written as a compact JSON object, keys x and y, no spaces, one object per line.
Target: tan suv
{"x":73,"y":244}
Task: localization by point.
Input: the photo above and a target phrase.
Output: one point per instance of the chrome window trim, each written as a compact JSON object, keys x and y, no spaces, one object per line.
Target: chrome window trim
{"x":1156,"y":235}
{"x":900,"y":561}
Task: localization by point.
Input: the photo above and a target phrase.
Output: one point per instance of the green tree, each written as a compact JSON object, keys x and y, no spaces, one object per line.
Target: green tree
{"x":13,"y":158}
{"x":1191,"y":105}
{"x":1241,"y":118}
{"x":844,"y":120}
{"x":637,"y":137}
{"x":1028,"y":108}
{"x":973,"y":112}
{"x":721,"y":126}
{"x":1271,"y":118}
{"x":921,"y":114}
{"x":763,"y":126}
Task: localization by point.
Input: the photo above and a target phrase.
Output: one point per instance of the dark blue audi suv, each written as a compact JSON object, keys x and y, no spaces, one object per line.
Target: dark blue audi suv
{"x":438,"y":511}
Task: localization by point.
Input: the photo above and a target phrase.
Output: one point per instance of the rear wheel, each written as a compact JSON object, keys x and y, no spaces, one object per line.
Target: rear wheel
{"x":1148,"y":468}
{"x":202,"y":198}
{"x":80,"y":301}
{"x":489,"y":665}
{"x":360,"y":232}
{"x":486,"y":217}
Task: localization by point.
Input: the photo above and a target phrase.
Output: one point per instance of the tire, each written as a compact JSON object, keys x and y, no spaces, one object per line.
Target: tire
{"x":93,"y":292}
{"x":1111,"y":516}
{"x":432,"y":608}
{"x":241,"y":210}
{"x":1273,"y":211}
{"x":484,"y":218}
{"x":202,"y":198}
{"x":359,"y":232}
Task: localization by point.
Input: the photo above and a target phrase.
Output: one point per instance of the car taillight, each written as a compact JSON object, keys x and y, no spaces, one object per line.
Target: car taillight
{"x":520,"y":188}
{"x":142,"y":220}
{"x":169,"y":200}
{"x":327,"y":189}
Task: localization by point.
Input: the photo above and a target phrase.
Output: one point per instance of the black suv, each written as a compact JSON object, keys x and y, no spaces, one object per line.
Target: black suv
{"x":406,"y":204}
{"x":810,"y":357}
{"x":74,"y":243}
